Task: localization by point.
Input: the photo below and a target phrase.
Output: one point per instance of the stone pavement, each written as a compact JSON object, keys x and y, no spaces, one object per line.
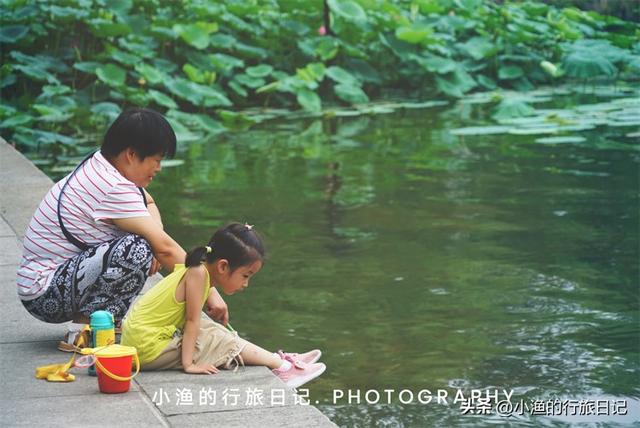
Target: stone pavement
{"x":250,"y":397}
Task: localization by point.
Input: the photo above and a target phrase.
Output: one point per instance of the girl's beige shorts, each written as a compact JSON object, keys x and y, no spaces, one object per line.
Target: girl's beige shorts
{"x":215,"y":345}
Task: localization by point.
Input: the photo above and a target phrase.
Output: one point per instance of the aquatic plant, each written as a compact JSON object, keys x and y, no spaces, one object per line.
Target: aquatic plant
{"x":69,"y":67}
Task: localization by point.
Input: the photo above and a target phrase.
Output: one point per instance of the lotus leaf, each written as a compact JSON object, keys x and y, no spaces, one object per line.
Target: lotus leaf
{"x":510,"y":72}
{"x":150,"y":73}
{"x":327,"y":49}
{"x":487,"y":82}
{"x":249,"y":81}
{"x":197,"y":35}
{"x":12,"y":33}
{"x":350,"y":93}
{"x":585,"y":65}
{"x":111,"y":74}
{"x":309,"y":100}
{"x":236,"y":121}
{"x":456,"y":84}
{"x":104,"y":28}
{"x":162,"y":99}
{"x":224,"y":41}
{"x":348,"y":9}
{"x":436,"y":64}
{"x":193,"y":73}
{"x":238,"y":89}
{"x":17,"y":120}
{"x":259,"y":71}
{"x":251,"y":51}
{"x":226,"y":63}
{"x":414,"y":34}
{"x":206,"y":123}
{"x":479,"y":48}
{"x":340,"y":75}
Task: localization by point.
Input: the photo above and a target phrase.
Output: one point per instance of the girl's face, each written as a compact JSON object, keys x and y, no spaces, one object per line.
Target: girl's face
{"x":238,"y":280}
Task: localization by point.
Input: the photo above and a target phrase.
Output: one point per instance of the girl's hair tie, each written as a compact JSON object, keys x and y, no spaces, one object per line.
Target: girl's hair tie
{"x":209,"y":249}
{"x":248,"y":226}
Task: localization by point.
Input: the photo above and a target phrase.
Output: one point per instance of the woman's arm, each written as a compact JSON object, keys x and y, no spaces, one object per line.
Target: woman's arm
{"x":153,"y":208}
{"x":164,"y":248}
{"x":194,"y":285}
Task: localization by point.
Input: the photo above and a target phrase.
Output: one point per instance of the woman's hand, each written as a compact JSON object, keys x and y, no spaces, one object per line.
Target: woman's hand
{"x":217,"y":309}
{"x":206,"y":369}
{"x":155,"y":267}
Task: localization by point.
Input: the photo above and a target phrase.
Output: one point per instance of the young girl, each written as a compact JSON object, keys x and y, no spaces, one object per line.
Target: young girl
{"x":167,"y":327}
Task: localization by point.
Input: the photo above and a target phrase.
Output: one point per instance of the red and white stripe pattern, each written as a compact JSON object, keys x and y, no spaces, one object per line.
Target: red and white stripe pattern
{"x":95,"y":194}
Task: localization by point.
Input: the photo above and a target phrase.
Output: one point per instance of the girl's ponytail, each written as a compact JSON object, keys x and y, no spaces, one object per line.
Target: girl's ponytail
{"x":196,"y":256}
{"x":237,"y":243}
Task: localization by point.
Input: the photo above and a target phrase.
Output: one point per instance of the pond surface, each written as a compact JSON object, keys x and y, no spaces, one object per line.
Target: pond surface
{"x":417,"y":259}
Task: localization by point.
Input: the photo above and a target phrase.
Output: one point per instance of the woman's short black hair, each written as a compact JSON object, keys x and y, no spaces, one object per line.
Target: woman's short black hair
{"x":145,"y":131}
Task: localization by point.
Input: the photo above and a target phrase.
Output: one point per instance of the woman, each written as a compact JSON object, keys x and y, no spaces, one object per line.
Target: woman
{"x":97,"y":234}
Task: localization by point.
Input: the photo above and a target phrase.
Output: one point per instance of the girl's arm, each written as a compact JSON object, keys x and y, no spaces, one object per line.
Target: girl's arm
{"x":194,"y":286}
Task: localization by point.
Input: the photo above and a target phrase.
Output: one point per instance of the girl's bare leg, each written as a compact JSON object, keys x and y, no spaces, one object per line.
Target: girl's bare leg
{"x":254,"y":355}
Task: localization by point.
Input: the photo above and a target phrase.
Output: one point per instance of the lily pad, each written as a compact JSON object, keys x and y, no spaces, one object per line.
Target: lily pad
{"x":618,"y":123}
{"x":534,"y":130}
{"x":481,"y":130}
{"x":512,"y":108}
{"x":426,"y":104}
{"x":568,"y":139}
{"x":170,"y":163}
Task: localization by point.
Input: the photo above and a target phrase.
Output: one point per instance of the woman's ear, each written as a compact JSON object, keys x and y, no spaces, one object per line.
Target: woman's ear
{"x":131,"y":155}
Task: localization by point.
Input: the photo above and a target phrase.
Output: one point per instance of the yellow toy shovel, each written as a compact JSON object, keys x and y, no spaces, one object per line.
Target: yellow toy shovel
{"x":60,"y":372}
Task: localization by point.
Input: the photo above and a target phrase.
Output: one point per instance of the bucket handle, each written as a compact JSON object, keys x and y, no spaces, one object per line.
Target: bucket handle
{"x":115,"y":376}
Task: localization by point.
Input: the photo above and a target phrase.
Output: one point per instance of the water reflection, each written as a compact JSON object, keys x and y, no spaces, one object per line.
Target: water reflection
{"x":419,"y":259}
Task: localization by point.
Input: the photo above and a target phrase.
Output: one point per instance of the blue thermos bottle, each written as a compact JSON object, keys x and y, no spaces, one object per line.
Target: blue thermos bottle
{"x":102,"y":332}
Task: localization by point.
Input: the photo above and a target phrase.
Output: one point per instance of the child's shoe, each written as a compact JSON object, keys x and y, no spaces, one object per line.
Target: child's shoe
{"x":299,"y":373}
{"x":307,"y":358}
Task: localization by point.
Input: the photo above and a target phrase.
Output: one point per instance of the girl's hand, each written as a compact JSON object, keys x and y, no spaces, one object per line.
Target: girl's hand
{"x":206,"y":369}
{"x":217,"y":308}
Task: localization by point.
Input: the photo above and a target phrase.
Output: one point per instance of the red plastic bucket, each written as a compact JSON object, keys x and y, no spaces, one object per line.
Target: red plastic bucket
{"x":113,"y":367}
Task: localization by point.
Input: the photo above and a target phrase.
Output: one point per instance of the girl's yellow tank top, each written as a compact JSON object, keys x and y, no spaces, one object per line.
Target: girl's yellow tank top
{"x":150,"y":325}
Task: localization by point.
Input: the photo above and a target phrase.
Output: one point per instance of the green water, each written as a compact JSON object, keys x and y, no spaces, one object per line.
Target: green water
{"x":417,"y":259}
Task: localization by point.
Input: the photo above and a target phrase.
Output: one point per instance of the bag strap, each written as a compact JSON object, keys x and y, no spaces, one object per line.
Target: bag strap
{"x":144,"y":197}
{"x":72,"y":239}
{"x":75,"y":241}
